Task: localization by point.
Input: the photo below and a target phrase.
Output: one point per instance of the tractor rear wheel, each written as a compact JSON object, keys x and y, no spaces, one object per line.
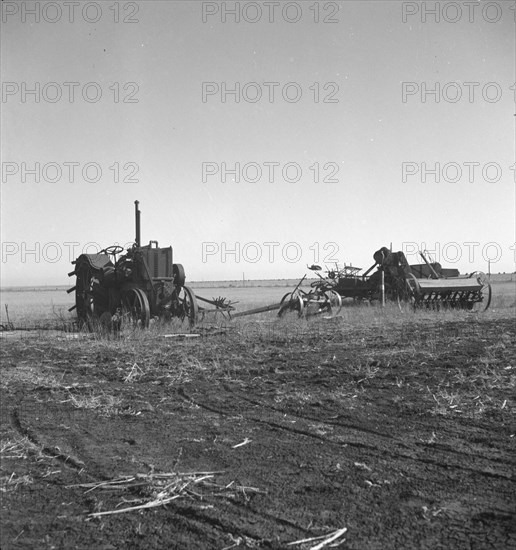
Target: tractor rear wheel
{"x":88,"y":301}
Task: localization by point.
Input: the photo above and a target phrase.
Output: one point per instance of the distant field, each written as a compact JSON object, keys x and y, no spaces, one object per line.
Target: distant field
{"x":31,"y":305}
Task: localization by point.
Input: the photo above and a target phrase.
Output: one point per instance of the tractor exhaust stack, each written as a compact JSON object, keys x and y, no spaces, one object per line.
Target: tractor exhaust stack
{"x":137,"y":213}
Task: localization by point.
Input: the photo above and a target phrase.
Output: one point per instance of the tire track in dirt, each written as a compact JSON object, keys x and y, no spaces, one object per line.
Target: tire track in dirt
{"x":433,"y":446}
{"x":53,"y":452}
{"x":312,"y":419}
{"x":199,"y":520}
{"x":239,"y":515}
{"x":191,"y":400}
{"x":442,"y":464}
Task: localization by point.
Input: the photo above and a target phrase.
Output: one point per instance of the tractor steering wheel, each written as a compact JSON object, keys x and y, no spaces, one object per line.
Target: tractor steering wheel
{"x":113,"y":250}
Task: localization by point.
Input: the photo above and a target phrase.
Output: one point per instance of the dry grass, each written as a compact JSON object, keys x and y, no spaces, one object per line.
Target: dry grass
{"x":454,"y":402}
{"x":16,"y":449}
{"x":381,"y":340}
{"x":27,"y":372}
{"x":103,"y":404}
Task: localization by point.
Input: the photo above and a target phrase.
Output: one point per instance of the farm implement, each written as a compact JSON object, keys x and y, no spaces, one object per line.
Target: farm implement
{"x":426,"y":285}
{"x":142,"y":283}
{"x":138,"y":285}
{"x":321,"y":299}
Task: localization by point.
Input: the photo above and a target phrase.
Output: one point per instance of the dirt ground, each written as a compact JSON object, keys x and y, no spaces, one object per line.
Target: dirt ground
{"x":263,"y":434}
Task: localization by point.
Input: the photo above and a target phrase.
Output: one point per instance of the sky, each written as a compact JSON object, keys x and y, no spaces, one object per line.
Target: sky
{"x":259,"y":137}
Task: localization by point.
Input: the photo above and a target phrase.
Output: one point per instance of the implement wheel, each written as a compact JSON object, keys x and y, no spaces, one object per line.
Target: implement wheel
{"x":485,"y":292}
{"x":291,"y":302}
{"x":334,"y":302}
{"x":413,"y":290}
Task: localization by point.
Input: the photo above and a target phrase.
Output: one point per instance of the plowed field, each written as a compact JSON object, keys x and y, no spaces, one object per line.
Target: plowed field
{"x":399,"y":429}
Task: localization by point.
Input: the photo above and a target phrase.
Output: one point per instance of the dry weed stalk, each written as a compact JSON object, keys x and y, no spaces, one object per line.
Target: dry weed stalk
{"x":326,"y":540}
{"x":12,"y":482}
{"x":160,"y":489}
{"x":19,"y":448}
{"x":135,"y":373}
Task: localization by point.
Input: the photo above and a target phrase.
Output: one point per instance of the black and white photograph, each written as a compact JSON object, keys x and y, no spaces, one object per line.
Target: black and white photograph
{"x":258,"y":274}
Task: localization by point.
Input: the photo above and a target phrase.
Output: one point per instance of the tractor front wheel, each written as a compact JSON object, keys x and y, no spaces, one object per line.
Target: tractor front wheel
{"x":136,"y":305}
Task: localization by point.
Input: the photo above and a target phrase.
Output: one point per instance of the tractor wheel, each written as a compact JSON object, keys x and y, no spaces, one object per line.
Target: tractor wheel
{"x":136,"y":305}
{"x":178,"y":272}
{"x":88,"y":302}
{"x":188,"y":305}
